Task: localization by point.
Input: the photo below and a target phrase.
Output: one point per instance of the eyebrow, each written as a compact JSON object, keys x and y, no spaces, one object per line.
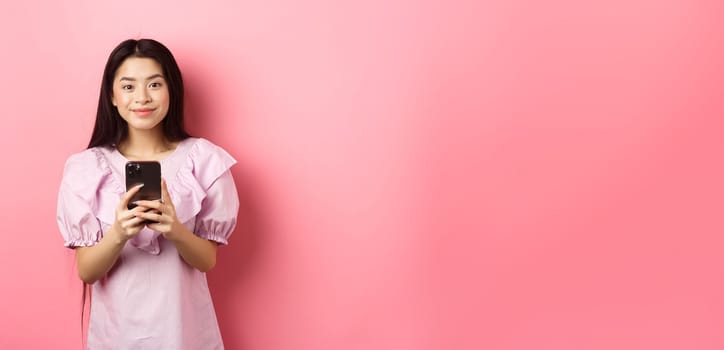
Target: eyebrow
{"x":149,"y":78}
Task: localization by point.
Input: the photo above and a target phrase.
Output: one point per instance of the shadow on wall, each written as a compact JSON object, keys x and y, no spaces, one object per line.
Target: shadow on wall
{"x":195,"y":105}
{"x":230,"y":279}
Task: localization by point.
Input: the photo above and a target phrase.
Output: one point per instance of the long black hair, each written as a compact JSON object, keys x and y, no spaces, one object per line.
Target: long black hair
{"x":110,"y":129}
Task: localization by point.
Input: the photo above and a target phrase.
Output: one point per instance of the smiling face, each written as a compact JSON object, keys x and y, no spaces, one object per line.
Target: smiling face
{"x":140,"y":93}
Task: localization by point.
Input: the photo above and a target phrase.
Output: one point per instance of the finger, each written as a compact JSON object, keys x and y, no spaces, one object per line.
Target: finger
{"x":132,"y":223}
{"x":150,"y":204}
{"x":127,"y":197}
{"x":150,"y":216}
{"x":133,"y":213}
{"x":140,"y":208}
{"x":127,"y":214}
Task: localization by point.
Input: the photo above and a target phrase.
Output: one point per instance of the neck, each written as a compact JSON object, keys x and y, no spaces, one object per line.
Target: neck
{"x":144,"y":143}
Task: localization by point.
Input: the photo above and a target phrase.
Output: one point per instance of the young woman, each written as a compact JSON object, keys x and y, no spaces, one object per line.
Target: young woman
{"x":147,"y":265}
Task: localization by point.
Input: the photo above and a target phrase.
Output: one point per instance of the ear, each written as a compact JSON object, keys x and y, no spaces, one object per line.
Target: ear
{"x":113,"y":100}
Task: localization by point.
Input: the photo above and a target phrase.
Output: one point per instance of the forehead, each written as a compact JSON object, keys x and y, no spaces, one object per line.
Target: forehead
{"x":138,"y":68}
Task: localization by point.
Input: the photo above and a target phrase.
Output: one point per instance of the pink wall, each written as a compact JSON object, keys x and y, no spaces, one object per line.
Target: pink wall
{"x":415,"y":174}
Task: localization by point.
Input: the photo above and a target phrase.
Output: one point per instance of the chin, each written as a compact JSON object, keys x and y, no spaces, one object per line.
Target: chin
{"x":144,"y":126}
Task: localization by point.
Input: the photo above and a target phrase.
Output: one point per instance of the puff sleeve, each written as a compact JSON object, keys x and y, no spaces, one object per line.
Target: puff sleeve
{"x":76,"y":219}
{"x":217,"y":218}
{"x":207,"y":192}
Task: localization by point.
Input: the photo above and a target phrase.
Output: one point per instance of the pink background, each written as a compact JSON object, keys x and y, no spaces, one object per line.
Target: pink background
{"x":414,"y":174}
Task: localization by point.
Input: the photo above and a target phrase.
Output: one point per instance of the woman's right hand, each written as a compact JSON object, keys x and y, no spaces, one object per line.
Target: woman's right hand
{"x":127,"y":224}
{"x":95,"y":261}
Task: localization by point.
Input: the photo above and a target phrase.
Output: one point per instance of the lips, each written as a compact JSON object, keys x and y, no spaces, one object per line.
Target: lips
{"x":143,"y":111}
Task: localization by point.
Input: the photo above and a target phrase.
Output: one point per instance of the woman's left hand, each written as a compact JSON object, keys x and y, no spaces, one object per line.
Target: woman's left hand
{"x":163,"y":214}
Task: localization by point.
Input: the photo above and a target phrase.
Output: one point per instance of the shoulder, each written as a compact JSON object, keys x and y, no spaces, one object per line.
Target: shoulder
{"x":85,"y":160}
{"x":204,"y":146}
{"x":206,"y":161}
{"x":87,"y":166}
{"x":203,"y":151}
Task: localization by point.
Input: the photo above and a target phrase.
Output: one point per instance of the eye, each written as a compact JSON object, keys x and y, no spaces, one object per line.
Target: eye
{"x":127,"y":87}
{"x":155,"y":85}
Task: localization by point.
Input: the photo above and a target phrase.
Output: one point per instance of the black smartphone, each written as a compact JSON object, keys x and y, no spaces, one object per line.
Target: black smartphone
{"x":146,"y":173}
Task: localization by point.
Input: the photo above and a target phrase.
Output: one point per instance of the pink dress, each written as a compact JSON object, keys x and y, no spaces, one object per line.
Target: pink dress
{"x":151,"y":298}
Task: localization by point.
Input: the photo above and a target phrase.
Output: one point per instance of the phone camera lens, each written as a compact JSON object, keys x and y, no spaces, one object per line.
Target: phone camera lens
{"x":133,"y":169}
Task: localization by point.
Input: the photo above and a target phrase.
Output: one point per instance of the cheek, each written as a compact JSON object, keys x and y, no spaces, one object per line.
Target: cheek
{"x":118,"y":98}
{"x":165,"y":98}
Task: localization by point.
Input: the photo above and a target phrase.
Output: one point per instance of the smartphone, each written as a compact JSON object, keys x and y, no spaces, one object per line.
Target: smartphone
{"x":146,"y":173}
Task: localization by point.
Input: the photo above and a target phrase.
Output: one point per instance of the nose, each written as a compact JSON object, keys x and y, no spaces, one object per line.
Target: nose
{"x":142,"y":96}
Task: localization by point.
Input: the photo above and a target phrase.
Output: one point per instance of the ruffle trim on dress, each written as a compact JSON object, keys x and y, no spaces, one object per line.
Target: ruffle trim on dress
{"x":204,"y":163}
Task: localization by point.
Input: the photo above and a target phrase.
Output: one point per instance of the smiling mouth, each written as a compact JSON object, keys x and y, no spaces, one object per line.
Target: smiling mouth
{"x":144,"y":111}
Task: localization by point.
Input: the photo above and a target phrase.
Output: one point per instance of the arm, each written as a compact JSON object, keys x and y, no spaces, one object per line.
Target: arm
{"x":95,"y":261}
{"x":196,"y":251}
